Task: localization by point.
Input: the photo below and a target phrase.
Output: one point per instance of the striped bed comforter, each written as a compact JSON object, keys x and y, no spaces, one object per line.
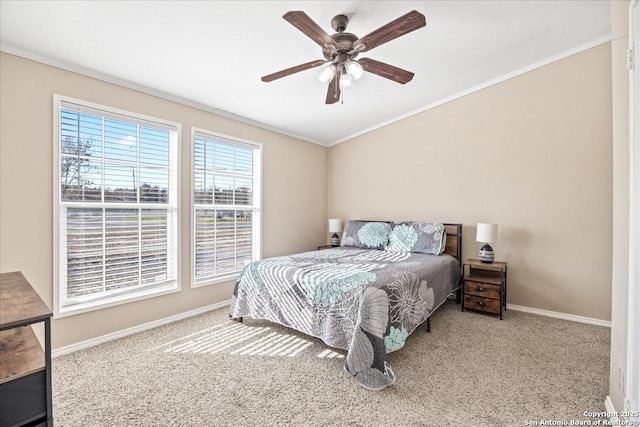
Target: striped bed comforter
{"x":361,"y":300}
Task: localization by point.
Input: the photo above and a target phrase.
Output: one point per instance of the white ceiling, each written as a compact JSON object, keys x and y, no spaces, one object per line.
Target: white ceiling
{"x":211,"y":54}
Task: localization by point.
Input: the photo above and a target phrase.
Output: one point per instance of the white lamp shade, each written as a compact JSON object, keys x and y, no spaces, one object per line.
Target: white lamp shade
{"x":335,"y":225}
{"x":487,"y":233}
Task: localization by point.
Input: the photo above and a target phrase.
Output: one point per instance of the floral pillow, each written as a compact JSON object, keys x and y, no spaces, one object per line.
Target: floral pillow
{"x":418,"y":237}
{"x":364,"y":234}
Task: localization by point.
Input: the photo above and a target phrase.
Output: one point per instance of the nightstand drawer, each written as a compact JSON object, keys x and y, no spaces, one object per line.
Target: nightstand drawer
{"x":482,"y":304}
{"x":484,"y":290}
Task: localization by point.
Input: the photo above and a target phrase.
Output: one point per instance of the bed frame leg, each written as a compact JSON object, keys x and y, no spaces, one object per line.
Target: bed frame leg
{"x":238,"y":319}
{"x":459,"y":295}
{"x":428,"y":328}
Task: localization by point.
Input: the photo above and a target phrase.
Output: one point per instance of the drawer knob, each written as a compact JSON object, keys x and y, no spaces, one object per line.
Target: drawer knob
{"x":481,"y":289}
{"x":480,"y":303}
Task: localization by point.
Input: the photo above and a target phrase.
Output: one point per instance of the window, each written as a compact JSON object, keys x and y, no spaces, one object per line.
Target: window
{"x":116,"y":206}
{"x":226,"y":206}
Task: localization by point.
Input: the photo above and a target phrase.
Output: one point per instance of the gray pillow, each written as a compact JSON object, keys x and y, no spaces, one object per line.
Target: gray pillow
{"x":415,"y":236}
{"x":365,"y":234}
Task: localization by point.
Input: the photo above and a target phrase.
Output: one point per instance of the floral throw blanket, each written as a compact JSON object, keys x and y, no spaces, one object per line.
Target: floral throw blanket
{"x":361,"y":300}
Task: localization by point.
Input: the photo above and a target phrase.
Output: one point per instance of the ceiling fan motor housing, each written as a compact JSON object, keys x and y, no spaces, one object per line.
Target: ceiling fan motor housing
{"x":344,"y":40}
{"x":345,"y":45}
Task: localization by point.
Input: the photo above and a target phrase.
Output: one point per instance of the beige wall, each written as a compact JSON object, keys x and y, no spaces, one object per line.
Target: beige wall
{"x":294,"y":189}
{"x":620,"y":266}
{"x":532,"y":154}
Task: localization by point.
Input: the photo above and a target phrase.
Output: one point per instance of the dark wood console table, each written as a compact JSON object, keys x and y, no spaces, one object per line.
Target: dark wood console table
{"x":25,"y":368}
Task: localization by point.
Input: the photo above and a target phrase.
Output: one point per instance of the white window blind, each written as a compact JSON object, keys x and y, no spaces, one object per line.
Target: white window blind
{"x":226,"y":206}
{"x":117,"y":216}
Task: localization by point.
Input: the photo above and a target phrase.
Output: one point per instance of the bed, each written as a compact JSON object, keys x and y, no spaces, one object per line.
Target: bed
{"x":365,"y":296}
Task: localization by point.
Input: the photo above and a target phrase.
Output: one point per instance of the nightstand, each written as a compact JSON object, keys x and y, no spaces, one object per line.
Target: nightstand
{"x":326,"y":247}
{"x":485,"y":286}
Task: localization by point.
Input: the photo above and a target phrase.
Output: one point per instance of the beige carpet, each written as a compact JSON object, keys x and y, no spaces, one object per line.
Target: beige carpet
{"x":471,"y":370}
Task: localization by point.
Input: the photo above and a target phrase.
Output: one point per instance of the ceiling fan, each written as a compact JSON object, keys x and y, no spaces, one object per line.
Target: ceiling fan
{"x":339,"y":68}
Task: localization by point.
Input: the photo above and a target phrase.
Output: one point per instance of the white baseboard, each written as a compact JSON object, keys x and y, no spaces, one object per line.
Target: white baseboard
{"x":558,"y":315}
{"x":611,"y":410}
{"x":135,"y":329}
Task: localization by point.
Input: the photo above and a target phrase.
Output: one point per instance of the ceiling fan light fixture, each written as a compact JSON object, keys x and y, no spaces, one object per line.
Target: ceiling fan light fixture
{"x":346,"y":82}
{"x":326,"y":73}
{"x":354,"y":70}
{"x":339,"y":69}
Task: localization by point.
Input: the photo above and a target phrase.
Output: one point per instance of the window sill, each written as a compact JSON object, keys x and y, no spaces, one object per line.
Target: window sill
{"x":85,"y":307}
{"x":214,"y":281}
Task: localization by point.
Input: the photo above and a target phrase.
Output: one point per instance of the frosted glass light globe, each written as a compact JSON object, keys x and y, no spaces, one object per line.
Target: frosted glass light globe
{"x":354,"y":70}
{"x":326,"y":73}
{"x":345,"y":82}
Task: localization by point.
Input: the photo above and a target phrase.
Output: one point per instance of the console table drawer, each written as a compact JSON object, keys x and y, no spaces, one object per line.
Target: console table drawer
{"x":23,"y":399}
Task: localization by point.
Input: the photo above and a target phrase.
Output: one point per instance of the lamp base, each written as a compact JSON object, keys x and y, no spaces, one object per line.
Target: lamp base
{"x":486,"y":254}
{"x":335,"y":240}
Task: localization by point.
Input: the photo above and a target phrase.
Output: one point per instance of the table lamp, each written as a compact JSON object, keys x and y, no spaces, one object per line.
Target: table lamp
{"x":487,"y":233}
{"x":335,"y":227}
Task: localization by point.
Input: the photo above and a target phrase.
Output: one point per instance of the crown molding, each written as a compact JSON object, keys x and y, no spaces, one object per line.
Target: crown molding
{"x":13,"y":50}
{"x":88,"y":72}
{"x":500,"y":79}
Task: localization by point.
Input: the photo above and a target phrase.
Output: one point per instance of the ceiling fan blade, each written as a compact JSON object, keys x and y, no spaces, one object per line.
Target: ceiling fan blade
{"x":301,"y":21}
{"x":399,"y":27}
{"x":292,"y":70}
{"x":333,"y":93}
{"x":385,"y":70}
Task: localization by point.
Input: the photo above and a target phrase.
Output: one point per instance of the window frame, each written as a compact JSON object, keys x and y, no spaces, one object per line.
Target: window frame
{"x":124,"y":297}
{"x":257,"y":239}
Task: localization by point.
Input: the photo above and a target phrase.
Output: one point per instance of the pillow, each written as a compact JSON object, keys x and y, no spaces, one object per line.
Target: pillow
{"x":443,"y":245}
{"x":365,"y":234}
{"x":418,"y":237}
